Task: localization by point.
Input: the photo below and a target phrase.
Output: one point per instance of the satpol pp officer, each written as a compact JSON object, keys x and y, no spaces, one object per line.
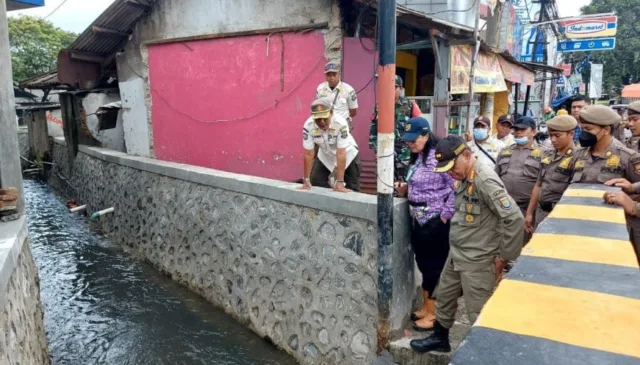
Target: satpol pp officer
{"x":557,"y":167}
{"x":519,"y":165}
{"x":337,"y":150}
{"x":487,"y":230}
{"x":343,"y":97}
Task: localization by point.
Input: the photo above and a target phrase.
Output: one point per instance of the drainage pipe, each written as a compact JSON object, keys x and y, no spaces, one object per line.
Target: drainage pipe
{"x":96,"y":215}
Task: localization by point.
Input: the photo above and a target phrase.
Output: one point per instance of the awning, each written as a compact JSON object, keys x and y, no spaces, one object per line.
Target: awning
{"x":631,"y":91}
{"x":544,"y":68}
{"x":516,"y":73}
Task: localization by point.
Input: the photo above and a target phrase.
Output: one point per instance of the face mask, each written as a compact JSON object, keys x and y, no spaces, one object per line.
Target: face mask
{"x":402,"y":93}
{"x":480,"y":134}
{"x":588,"y":139}
{"x":521,"y":141}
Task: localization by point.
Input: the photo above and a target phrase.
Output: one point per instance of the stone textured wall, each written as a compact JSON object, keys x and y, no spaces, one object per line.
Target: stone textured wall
{"x":58,"y":176}
{"x":22,"y":334}
{"x":305,"y":278}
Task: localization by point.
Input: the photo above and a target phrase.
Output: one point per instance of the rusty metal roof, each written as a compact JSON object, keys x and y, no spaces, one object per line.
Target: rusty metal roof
{"x":109,"y":32}
{"x":47,"y":80}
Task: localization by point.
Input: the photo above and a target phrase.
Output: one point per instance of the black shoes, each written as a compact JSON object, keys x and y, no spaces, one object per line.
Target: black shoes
{"x":438,"y":341}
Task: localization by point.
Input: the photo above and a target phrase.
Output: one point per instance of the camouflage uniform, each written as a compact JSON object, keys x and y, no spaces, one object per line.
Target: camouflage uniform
{"x":402,"y":153}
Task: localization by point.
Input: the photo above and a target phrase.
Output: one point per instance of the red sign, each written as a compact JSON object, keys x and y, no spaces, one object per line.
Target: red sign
{"x":566,"y":68}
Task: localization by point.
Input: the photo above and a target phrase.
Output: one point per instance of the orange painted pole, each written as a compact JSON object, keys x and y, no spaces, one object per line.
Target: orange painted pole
{"x":385,"y":159}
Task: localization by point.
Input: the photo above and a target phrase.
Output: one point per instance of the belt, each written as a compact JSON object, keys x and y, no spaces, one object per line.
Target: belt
{"x":547,"y":207}
{"x":416,"y":204}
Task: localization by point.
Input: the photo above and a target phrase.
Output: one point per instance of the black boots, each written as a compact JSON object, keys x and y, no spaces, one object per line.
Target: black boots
{"x":438,"y":341}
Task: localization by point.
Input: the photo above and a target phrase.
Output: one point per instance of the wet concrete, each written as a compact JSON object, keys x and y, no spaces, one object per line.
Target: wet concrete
{"x":103,"y":307}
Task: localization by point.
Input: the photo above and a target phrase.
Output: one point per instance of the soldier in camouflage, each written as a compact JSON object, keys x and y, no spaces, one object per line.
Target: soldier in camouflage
{"x":405,"y":110}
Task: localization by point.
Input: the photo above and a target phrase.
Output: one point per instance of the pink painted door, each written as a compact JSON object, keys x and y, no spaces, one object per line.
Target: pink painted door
{"x":360,"y":63}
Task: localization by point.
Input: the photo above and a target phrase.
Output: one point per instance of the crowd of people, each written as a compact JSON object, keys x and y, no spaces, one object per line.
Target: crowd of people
{"x":475,"y":201}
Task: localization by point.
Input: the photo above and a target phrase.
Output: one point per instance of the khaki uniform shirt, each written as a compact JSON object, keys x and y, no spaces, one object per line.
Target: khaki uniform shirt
{"x":519,"y":169}
{"x":618,"y":161}
{"x":487,"y":222}
{"x":492,"y":146}
{"x":555,"y":175}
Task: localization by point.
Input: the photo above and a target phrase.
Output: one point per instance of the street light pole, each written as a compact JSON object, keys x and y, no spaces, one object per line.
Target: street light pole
{"x":385,"y":159}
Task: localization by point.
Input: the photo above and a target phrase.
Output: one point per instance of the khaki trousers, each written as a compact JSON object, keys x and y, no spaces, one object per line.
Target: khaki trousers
{"x":477,"y":286}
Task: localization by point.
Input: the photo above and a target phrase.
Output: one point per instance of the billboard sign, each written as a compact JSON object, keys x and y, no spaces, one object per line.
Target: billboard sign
{"x":586,"y":45}
{"x":606,"y":26}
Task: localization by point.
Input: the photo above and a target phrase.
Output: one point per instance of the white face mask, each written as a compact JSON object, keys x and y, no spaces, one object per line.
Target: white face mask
{"x":402,"y":93}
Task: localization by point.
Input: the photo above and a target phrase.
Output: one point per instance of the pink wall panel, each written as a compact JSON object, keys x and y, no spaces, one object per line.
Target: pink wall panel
{"x":359,"y":66}
{"x":212,"y":101}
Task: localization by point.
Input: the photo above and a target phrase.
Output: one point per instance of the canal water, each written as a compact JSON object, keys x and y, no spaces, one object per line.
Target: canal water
{"x":103,"y":307}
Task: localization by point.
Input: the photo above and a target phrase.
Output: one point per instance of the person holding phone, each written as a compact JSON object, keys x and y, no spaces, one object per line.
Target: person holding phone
{"x":431,"y":200}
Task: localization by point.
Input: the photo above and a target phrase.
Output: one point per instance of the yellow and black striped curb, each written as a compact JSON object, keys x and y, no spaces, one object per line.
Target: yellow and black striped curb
{"x":572,"y":298}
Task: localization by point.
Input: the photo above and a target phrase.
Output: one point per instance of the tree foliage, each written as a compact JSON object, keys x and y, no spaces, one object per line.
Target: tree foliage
{"x":622,"y":65}
{"x":35,"y":44}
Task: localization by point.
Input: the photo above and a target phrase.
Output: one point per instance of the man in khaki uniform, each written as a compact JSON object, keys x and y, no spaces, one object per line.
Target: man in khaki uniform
{"x":555,"y":176}
{"x":519,"y":165}
{"x":604,"y":159}
{"x":486,"y":232}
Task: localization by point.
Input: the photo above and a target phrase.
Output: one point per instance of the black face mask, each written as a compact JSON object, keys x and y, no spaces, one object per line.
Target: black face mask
{"x":587,"y":139}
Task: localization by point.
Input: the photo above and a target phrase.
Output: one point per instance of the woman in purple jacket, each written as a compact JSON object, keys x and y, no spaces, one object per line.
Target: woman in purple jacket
{"x":431,"y":199}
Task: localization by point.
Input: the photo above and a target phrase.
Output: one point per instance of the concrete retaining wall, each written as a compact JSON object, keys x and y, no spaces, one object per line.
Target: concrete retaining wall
{"x":298,"y":267}
{"x":22,"y":335}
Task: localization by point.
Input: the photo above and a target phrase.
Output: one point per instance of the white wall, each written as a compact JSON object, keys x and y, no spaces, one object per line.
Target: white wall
{"x":205,"y":17}
{"x":110,"y":138}
{"x":54,"y":123}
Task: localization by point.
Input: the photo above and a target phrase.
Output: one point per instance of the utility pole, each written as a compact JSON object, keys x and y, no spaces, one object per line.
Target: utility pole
{"x":493,"y":40}
{"x":476,"y":31}
{"x":385,"y":157}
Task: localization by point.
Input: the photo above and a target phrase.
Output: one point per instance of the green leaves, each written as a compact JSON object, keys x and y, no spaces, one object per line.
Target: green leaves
{"x":35,"y":44}
{"x":621,"y":65}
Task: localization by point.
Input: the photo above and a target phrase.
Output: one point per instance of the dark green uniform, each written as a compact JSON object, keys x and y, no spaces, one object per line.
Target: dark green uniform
{"x":402,"y":152}
{"x":554,"y":180}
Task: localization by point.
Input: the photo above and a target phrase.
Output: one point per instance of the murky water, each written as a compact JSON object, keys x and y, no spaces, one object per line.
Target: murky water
{"x":102,"y":307}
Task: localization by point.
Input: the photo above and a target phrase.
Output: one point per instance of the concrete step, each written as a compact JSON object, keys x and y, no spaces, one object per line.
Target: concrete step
{"x":402,"y":353}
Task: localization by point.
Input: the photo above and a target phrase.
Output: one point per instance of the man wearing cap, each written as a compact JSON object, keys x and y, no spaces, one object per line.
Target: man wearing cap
{"x":604,"y":159}
{"x":505,"y":129}
{"x":555,"y":175}
{"x":630,"y":184}
{"x":337,"y":151}
{"x":483,"y":145}
{"x":405,"y":110}
{"x":343,"y":97}
{"x":486,"y":232}
{"x":519,"y":165}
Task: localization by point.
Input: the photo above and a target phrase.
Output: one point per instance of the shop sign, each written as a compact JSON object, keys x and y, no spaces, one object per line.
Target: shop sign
{"x":605,"y":26}
{"x":488,"y":77}
{"x":516,"y":73}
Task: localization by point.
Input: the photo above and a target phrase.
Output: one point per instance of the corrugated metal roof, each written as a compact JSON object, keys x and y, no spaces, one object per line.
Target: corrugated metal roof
{"x":120,"y":17}
{"x":47,"y":80}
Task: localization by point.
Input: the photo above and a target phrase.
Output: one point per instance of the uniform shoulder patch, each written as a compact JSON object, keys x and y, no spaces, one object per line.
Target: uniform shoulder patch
{"x":546,"y":160}
{"x":636,"y":168}
{"x":344,"y":132}
{"x":505,"y":202}
{"x":580,"y":164}
{"x":506,"y":152}
{"x":498,"y":193}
